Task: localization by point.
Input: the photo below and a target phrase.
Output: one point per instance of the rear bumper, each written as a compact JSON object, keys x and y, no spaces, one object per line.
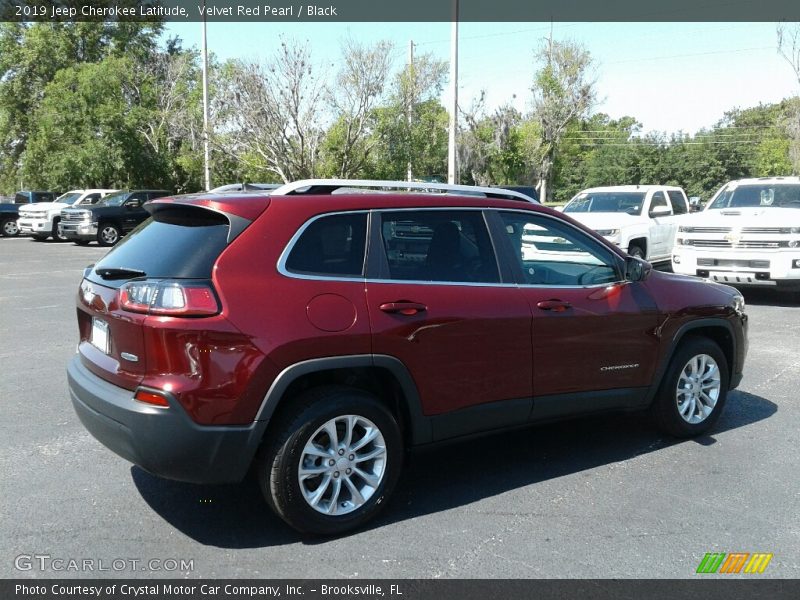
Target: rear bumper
{"x":162,"y":441}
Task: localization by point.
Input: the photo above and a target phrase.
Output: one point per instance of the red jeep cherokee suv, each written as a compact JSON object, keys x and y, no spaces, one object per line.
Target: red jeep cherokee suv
{"x":315,"y":336}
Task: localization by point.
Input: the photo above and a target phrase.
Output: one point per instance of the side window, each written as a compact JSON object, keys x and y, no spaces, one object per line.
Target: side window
{"x":91,"y":199}
{"x":135,"y":200}
{"x":678,"y":202}
{"x":658,"y":200}
{"x":332,"y":245}
{"x":554,"y":253}
{"x":438,"y":245}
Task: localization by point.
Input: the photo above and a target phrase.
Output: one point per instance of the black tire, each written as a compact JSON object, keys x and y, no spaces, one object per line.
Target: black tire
{"x":667,"y":408}
{"x":9,"y":228}
{"x":637,"y":252}
{"x":39,"y":237}
{"x":55,"y":234}
{"x":108,"y":234}
{"x":81,"y":242}
{"x":279,"y":460}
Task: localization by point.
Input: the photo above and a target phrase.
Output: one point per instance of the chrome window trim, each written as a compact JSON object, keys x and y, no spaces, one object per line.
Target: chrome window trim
{"x":281,"y":266}
{"x":293,"y":240}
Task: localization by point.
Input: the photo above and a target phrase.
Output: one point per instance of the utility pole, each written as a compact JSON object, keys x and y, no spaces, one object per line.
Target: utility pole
{"x":451,"y":140}
{"x":411,"y":95}
{"x":206,"y":168}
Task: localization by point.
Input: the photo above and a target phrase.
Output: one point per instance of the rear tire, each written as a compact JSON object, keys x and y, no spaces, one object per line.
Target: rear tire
{"x":694,"y":389}
{"x":333,"y":460}
{"x":39,"y":237}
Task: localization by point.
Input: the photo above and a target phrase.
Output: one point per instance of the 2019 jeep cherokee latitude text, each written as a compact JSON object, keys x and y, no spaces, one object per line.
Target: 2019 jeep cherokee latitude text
{"x":315,"y":338}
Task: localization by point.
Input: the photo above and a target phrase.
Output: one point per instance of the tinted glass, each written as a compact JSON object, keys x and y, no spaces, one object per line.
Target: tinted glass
{"x":332,"y":245}
{"x":178,"y":242}
{"x":658,"y":200}
{"x":115,"y":199}
{"x":627,"y":202}
{"x":553,"y":253}
{"x":436,"y":245}
{"x":678,"y":202}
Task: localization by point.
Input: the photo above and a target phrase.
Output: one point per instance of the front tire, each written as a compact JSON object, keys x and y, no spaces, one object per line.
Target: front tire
{"x":9,"y":228}
{"x":58,"y":237}
{"x":694,"y":389}
{"x":108,"y":234}
{"x":334,"y":460}
{"x":637,"y":252}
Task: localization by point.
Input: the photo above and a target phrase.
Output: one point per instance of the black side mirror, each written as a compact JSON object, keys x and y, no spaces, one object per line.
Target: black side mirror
{"x":636,"y":269}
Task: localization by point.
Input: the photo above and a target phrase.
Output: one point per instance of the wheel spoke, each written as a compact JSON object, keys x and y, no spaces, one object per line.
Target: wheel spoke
{"x":350,"y":423}
{"x":334,"y":503}
{"x":319,"y":492}
{"x":306,"y":472}
{"x":684,"y":408}
{"x":370,"y":435}
{"x":333,"y":436}
{"x":369,"y":478}
{"x":314,"y":450}
{"x":376,"y":452}
{"x":358,"y":499}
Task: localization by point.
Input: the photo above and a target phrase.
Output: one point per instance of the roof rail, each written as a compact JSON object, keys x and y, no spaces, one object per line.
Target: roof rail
{"x":331,"y":186}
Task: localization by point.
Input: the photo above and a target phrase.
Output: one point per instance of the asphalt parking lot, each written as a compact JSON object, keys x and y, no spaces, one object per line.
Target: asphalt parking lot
{"x":595,"y":498}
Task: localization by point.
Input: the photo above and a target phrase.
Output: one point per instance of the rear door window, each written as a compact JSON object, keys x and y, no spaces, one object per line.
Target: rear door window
{"x":678,"y":202}
{"x":331,"y":245}
{"x":438,"y":245}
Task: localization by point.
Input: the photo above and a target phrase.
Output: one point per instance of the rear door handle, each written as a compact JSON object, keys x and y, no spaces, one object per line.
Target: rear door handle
{"x":554,"y":305}
{"x":404,"y":308}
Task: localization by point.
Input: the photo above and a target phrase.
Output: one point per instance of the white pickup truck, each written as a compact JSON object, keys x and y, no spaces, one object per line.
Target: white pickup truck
{"x":640,"y":219}
{"x":748,"y":234}
{"x":41,"y":219}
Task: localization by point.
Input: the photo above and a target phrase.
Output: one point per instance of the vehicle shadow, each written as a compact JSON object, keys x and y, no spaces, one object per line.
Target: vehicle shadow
{"x":770,"y":297}
{"x":235,"y":516}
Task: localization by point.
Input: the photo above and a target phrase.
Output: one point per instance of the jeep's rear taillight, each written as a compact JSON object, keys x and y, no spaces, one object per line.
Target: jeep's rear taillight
{"x":169,"y":297}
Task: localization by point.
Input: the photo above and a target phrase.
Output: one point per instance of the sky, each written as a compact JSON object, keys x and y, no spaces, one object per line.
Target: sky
{"x":670,"y":76}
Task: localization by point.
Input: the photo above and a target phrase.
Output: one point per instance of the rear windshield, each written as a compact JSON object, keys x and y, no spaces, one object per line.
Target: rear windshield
{"x":180,"y":242}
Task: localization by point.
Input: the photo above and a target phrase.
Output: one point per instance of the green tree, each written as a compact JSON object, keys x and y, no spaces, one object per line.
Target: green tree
{"x":563,"y":92}
{"x":31,"y":54}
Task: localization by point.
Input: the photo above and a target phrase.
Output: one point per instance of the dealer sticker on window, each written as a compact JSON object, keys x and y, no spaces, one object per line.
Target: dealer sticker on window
{"x":99,"y":337}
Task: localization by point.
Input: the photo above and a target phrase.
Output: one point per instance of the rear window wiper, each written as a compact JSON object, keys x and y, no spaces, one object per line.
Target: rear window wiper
{"x":119,"y":272}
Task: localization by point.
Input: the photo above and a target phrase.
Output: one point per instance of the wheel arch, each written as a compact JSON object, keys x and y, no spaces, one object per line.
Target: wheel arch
{"x":384,"y":376}
{"x":719,"y":331}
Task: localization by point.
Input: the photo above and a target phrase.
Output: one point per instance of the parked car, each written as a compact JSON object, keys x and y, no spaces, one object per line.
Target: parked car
{"x":109,"y":219}
{"x":245,"y":187}
{"x":42,"y":219}
{"x":9,"y":211}
{"x":640,"y":219}
{"x":748,"y":235}
{"x":317,"y":336}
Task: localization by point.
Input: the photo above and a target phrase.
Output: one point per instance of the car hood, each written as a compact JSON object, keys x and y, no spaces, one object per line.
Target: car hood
{"x":761,"y":216}
{"x":605,"y":220}
{"x":42,"y":207}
